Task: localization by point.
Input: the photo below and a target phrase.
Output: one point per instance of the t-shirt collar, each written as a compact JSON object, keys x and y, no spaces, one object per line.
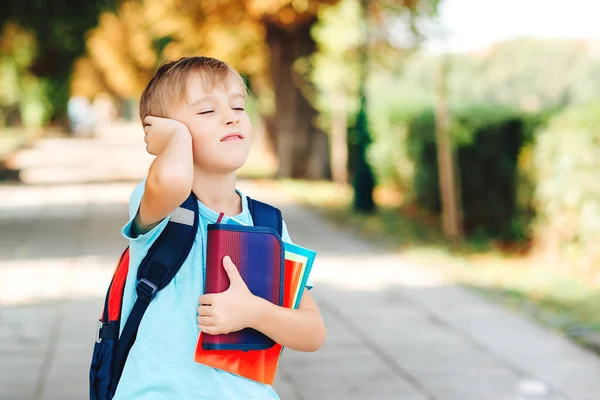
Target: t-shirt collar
{"x":212,"y":215}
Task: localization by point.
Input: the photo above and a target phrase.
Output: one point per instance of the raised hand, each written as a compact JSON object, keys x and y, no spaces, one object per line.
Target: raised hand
{"x":158,"y":131}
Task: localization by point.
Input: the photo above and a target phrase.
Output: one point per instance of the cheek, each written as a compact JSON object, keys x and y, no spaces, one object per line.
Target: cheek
{"x":202,"y":135}
{"x":202,"y":147}
{"x":247,"y":126}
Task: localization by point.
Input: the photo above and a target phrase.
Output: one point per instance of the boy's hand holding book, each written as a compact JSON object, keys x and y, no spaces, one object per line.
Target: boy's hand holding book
{"x":229,"y":311}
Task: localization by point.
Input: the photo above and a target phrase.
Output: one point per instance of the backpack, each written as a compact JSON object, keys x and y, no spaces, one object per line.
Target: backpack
{"x":157,"y":269}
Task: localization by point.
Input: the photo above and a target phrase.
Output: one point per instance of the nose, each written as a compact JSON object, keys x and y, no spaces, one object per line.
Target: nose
{"x":230,"y":118}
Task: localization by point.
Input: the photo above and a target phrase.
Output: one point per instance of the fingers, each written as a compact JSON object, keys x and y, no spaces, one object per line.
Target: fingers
{"x":205,"y":311}
{"x":205,"y":321}
{"x":206,"y":299}
{"x":211,"y":330}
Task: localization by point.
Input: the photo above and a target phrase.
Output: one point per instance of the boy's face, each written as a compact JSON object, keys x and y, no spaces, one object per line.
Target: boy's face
{"x":220,"y":127}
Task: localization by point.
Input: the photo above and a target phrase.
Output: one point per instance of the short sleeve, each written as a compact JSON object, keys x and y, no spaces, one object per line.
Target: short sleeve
{"x":147,"y":238}
{"x":285,"y":236}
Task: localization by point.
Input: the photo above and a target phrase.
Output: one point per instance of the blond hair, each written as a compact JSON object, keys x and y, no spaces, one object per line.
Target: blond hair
{"x":169,"y":84}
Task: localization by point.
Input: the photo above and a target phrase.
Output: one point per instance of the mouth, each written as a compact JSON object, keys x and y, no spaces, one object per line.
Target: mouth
{"x":232,"y":136}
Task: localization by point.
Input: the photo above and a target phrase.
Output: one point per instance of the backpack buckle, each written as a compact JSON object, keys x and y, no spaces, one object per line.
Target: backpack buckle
{"x":98,"y":329}
{"x":146,"y":289}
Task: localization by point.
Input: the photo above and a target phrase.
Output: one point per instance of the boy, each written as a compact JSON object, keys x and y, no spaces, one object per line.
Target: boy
{"x":195,"y":123}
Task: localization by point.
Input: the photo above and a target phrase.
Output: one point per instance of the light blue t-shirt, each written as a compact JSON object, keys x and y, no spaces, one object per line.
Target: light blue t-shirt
{"x":161,"y":363}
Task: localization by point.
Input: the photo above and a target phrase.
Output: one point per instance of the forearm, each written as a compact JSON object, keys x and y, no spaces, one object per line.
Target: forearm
{"x":298,"y":329}
{"x":173,"y":168}
{"x":169,"y":180}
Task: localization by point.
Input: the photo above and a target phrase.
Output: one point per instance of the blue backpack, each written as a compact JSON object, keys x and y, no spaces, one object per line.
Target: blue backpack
{"x":157,"y":269}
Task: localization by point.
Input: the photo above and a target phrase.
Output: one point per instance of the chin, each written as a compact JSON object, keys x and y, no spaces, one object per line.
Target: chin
{"x":231,"y":166}
{"x":222,"y":163}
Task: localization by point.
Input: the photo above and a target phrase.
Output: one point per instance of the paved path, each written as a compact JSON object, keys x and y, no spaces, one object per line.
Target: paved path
{"x":395,"y":331}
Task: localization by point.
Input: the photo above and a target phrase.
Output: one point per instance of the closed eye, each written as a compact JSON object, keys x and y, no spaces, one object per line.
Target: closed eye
{"x":206,"y":112}
{"x":239,"y":109}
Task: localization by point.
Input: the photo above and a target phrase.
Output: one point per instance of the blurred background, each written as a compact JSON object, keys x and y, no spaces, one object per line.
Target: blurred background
{"x":452,"y":142}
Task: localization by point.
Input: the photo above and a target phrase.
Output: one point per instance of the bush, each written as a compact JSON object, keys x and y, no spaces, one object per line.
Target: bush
{"x":487,"y":143}
{"x":567,"y":197}
{"x":389,"y":118}
{"x":388,"y":153}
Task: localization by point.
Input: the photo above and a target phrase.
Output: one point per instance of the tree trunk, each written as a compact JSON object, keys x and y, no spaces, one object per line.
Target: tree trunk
{"x":339,"y":142}
{"x":449,"y":193}
{"x":302,"y":149}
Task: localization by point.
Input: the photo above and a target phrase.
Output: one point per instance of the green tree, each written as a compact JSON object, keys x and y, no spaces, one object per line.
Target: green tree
{"x":59,"y":28}
{"x":23,"y":99}
{"x":353,"y":41}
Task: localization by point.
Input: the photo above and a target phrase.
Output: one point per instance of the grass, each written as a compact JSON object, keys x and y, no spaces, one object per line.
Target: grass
{"x":557,"y":297}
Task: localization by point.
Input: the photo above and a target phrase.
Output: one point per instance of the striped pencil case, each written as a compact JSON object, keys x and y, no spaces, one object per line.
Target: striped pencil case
{"x":258,"y":253}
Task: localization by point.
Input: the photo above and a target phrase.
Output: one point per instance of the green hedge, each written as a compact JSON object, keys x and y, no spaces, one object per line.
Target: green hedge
{"x":521,"y":176}
{"x":487,"y":143}
{"x":566,"y":158}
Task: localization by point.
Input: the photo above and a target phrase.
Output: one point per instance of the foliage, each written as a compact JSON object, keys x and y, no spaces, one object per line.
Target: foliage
{"x":335,"y":65}
{"x":490,"y":78}
{"x":567,"y":160}
{"x":391,"y":107}
{"x":507,"y":76}
{"x":349,"y":44}
{"x":23,"y":96}
{"x":58,"y":28}
{"x":487,"y":142}
{"x":128,"y":45}
{"x":531,"y":74}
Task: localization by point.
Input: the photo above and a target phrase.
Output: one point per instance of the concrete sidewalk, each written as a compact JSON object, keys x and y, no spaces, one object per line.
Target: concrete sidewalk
{"x":395,"y":331}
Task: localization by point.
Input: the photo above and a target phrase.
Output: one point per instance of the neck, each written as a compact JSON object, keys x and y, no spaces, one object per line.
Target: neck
{"x":217,"y":192}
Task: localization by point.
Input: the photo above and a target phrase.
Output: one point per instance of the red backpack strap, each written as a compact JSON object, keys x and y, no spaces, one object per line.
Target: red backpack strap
{"x":115,"y":292}
{"x":113,"y":301}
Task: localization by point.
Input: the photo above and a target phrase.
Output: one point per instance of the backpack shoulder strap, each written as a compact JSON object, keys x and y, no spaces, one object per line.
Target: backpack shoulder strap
{"x":162,"y":262}
{"x":265,"y":215}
